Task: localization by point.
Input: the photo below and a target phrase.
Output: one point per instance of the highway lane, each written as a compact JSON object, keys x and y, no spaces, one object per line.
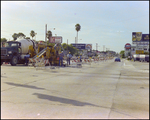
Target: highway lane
{"x":100,"y":90}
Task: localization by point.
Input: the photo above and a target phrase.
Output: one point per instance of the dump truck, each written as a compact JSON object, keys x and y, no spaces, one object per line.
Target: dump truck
{"x":13,"y":52}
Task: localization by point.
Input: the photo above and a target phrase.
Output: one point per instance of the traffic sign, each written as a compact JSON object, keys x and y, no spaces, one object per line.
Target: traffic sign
{"x":128,"y":46}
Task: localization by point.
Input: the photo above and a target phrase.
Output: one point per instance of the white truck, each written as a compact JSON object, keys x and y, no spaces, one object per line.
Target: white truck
{"x":141,"y":57}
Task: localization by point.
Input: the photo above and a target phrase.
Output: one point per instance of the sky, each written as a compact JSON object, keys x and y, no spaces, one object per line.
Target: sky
{"x":108,"y":23}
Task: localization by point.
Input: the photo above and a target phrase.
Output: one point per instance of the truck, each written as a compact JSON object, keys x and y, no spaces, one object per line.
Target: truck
{"x":136,"y":57}
{"x":13,"y":52}
{"x":141,"y":57}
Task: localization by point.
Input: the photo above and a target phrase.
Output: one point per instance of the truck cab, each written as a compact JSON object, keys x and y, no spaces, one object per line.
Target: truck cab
{"x":11,"y":52}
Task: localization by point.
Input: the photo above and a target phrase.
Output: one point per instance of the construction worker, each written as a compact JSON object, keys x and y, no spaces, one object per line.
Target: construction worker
{"x":27,"y":58}
{"x":50,"y":60}
{"x":80,"y":58}
{"x":69,"y":56}
{"x":61,"y":58}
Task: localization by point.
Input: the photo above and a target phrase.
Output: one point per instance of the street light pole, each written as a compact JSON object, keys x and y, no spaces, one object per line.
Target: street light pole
{"x":97,"y":46}
{"x":67,"y":45}
{"x":67,"y":51}
{"x":103,"y":47}
{"x":46,"y":33}
{"x":76,"y":42}
{"x":130,"y":53}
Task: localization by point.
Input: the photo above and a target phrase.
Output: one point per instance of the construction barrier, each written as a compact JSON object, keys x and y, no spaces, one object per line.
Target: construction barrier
{"x":6,"y":63}
{"x":42,"y":64}
{"x":73,"y":62}
{"x":96,"y":60}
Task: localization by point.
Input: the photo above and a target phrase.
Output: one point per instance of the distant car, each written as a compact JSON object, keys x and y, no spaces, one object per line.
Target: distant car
{"x":117,"y":60}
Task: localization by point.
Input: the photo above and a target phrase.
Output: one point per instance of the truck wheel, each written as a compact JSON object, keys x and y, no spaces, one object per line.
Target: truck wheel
{"x":14,"y":61}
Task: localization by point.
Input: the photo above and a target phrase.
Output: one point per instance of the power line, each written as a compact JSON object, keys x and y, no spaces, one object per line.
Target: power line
{"x":20,"y":30}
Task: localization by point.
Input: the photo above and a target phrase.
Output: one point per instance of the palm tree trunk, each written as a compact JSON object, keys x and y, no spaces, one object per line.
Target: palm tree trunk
{"x":77,"y":37}
{"x":77,"y":41}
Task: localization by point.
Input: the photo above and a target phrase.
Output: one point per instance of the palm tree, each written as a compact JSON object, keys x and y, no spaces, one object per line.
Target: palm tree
{"x":21,"y":35}
{"x":15,"y":36}
{"x":27,"y":37}
{"x":49,"y":34}
{"x":77,"y":27}
{"x":3,"y":40}
{"x":32,"y":34}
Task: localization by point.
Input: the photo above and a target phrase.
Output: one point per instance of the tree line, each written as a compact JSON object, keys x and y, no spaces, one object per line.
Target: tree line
{"x":69,"y":47}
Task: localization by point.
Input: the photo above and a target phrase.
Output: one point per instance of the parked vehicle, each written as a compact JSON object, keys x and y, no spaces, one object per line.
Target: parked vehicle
{"x":141,"y":57}
{"x":14,"y":51}
{"x":136,"y":57}
{"x":147,"y":58}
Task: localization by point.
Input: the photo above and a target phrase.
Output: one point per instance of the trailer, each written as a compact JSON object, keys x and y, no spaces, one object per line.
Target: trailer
{"x":141,"y":58}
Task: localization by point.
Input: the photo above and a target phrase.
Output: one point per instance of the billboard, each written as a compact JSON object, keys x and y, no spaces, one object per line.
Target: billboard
{"x":88,"y":46}
{"x":55,"y":39}
{"x":79,"y":46}
{"x":145,"y":37}
{"x":82,"y":46}
{"x":140,"y":39}
{"x":136,"y":36}
{"x":139,"y":51}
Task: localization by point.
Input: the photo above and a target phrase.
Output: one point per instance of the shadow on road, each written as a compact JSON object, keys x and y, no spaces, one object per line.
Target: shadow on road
{"x":63,"y":100}
{"x":27,"y":86}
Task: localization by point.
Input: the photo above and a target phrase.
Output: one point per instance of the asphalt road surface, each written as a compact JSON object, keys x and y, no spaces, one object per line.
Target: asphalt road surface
{"x":101,"y":90}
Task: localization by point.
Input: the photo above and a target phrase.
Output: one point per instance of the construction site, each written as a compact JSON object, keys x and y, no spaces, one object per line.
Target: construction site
{"x":41,"y":54}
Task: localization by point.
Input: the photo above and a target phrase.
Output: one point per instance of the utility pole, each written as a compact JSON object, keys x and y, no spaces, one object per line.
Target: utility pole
{"x":67,"y":51}
{"x":45,"y":33}
{"x":96,"y":47}
{"x":67,"y":45}
{"x":76,"y":43}
{"x":103,"y":47}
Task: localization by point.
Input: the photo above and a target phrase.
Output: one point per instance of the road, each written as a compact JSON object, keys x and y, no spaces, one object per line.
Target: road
{"x":105,"y":90}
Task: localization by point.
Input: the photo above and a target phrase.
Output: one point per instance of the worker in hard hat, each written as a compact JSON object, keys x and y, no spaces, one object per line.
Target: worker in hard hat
{"x":80,"y":57}
{"x":69,"y":56}
{"x":61,"y":55}
{"x":26,"y":57}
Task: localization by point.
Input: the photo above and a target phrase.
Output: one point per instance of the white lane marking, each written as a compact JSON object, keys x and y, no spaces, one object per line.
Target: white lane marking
{"x":126,"y":65}
{"x":147,"y":71}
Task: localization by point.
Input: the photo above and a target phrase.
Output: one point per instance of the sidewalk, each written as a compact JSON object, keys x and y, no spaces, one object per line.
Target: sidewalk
{"x":137,"y":66}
